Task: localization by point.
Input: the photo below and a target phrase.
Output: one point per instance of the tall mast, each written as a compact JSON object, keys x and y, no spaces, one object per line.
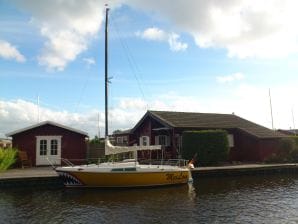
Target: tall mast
{"x":106,"y":74}
{"x":271,"y":110}
{"x":294,"y":128}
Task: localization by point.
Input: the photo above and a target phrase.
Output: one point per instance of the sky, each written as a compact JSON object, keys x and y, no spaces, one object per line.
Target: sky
{"x":215,"y":56}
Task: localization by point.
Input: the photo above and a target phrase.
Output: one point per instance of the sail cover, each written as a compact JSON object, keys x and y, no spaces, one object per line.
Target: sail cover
{"x":112,"y":149}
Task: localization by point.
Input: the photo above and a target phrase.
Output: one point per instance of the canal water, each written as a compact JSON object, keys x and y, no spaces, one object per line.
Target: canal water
{"x":251,"y":199}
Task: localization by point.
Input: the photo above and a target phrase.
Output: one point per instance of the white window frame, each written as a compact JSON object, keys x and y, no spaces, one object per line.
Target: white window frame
{"x":178,"y":142}
{"x":119,"y":140}
{"x":43,"y":146}
{"x":43,"y":159}
{"x":159,"y":142}
{"x":144,"y":140}
{"x":231,"y":140}
{"x":54,"y":144}
{"x":125,"y":140}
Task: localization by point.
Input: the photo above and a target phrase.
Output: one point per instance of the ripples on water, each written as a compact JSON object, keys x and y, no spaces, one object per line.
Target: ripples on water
{"x":251,"y":199}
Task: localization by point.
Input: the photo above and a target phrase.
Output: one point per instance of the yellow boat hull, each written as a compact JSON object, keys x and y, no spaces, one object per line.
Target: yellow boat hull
{"x":123,"y":179}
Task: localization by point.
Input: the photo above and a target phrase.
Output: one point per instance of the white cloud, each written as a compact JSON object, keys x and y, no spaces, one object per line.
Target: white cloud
{"x":127,"y":103}
{"x":18,"y":114}
{"x":153,"y":33}
{"x":175,"y":44}
{"x":230,"y":78}
{"x":245,"y":28}
{"x":156,"y":34}
{"x":249,"y":102}
{"x":67,"y":27}
{"x":89,"y":61}
{"x":62,"y":47}
{"x":8,"y":51}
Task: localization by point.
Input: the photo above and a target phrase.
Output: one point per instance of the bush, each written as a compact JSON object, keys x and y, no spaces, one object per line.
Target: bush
{"x":294,"y":155}
{"x":287,"y":151}
{"x":7,"y":158}
{"x":294,"y":152}
{"x":295,"y":139}
{"x":210,"y":146}
{"x":286,"y":146}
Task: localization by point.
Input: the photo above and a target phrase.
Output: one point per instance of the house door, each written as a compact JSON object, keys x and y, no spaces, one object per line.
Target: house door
{"x":48,"y":147}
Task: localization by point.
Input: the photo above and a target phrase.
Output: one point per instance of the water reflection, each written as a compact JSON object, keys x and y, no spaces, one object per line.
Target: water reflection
{"x":191,"y":191}
{"x":250,"y":199}
{"x":221,"y":185}
{"x":129,"y":196}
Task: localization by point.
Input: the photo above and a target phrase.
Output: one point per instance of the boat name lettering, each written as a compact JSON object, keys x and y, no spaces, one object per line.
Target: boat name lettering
{"x":175,"y":176}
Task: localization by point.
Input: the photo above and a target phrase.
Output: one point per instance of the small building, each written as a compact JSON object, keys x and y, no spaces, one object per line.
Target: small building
{"x":248,"y":141}
{"x":50,"y":140}
{"x":123,"y":138}
{"x":5,"y":143}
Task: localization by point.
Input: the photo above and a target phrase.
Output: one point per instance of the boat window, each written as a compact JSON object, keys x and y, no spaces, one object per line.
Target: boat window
{"x":124,"y":169}
{"x":130,"y":169}
{"x":117,"y":169}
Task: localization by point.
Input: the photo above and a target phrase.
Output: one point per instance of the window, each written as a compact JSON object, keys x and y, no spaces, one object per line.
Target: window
{"x":43,"y":147}
{"x":125,"y":139}
{"x":178,"y":142}
{"x":144,"y":140}
{"x":162,"y":140}
{"x":54,"y":147}
{"x":119,"y":140}
{"x":231,"y":140}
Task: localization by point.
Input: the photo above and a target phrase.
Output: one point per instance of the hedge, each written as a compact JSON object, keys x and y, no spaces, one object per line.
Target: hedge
{"x":209,"y":146}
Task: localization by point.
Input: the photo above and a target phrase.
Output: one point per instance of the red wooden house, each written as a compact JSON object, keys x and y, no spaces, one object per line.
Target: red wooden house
{"x":50,"y":140}
{"x":248,"y":141}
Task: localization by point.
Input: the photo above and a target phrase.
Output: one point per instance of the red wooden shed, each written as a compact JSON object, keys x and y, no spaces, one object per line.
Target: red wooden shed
{"x":50,"y":140}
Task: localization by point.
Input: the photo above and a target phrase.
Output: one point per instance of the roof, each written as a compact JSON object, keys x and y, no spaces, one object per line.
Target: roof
{"x":122,"y":132}
{"x":212,"y":121}
{"x":289,"y":132}
{"x":45,"y":123}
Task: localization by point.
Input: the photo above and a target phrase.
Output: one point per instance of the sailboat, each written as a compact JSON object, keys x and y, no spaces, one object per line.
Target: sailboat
{"x":127,"y":173}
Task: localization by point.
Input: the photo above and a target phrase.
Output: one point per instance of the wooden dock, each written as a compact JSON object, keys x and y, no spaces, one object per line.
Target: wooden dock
{"x":30,"y":177}
{"x":245,"y":169}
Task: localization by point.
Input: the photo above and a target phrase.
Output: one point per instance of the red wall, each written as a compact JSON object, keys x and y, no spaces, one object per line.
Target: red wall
{"x":250,"y":148}
{"x":73,"y":145}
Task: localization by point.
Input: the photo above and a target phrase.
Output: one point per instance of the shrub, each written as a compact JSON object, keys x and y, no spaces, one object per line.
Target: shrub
{"x":287,"y":151}
{"x":286,"y":145}
{"x":7,"y":158}
{"x":294,"y":152}
{"x":294,"y":155}
{"x":210,"y":146}
{"x":295,"y":139}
